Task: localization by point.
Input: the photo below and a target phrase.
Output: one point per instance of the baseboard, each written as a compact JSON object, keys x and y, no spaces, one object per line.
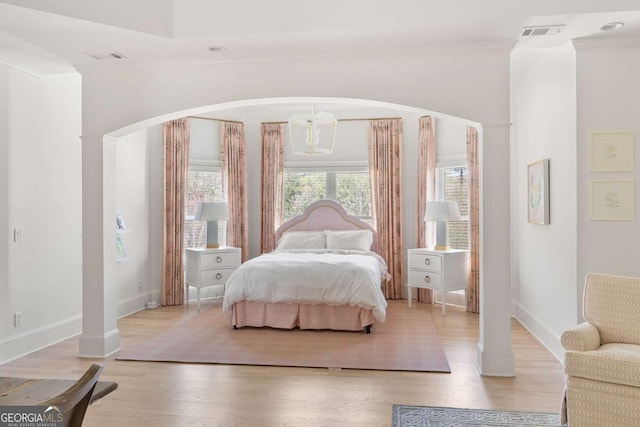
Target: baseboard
{"x":156,"y":295}
{"x":132,"y":305}
{"x":541,"y":332}
{"x":452,"y":298}
{"x":209,"y":292}
{"x":36,"y":339}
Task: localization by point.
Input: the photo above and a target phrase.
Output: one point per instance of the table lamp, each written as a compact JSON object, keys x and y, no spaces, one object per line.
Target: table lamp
{"x":212,"y":212}
{"x":442,"y":212}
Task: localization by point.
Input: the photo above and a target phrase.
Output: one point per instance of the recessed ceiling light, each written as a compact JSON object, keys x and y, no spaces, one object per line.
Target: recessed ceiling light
{"x":216,"y":48}
{"x":611,"y":26}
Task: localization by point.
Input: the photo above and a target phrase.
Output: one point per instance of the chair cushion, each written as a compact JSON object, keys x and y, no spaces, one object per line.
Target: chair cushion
{"x":612,"y":363}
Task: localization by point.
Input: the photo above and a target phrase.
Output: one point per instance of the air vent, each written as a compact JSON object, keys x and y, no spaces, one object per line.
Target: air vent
{"x":109,"y":56}
{"x":543,"y":30}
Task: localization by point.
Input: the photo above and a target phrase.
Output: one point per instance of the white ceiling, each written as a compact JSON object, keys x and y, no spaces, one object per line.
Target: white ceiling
{"x":52,"y":35}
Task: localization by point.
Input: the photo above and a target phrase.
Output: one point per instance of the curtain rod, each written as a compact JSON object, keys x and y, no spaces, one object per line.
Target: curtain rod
{"x":212,"y":119}
{"x":344,"y":120}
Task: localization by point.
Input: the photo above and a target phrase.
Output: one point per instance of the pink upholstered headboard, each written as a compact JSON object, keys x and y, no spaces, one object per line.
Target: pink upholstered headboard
{"x":326,"y":215}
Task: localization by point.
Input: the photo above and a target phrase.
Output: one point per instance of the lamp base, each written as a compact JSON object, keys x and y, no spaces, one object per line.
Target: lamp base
{"x":212,"y":246}
{"x":441,"y":248}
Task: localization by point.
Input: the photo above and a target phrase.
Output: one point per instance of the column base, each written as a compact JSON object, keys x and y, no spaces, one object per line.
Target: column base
{"x":495,"y":363}
{"x":99,"y":346}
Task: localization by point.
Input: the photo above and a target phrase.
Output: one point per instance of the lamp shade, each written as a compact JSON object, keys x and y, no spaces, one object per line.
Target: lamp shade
{"x":442,"y":211}
{"x":212,"y":211}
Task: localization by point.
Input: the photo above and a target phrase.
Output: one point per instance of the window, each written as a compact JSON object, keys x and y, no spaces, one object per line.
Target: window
{"x":204,"y":184}
{"x":350,"y":187}
{"x":453,"y":185}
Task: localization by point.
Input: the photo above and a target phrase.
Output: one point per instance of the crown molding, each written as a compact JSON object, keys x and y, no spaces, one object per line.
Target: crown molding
{"x":448,"y":49}
{"x":607,"y":43}
{"x":17,"y":67}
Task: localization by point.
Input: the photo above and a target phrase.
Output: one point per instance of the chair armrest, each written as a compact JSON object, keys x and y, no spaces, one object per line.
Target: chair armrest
{"x":584,"y":337}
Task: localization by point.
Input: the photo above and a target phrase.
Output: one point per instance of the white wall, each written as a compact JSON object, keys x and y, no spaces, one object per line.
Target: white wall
{"x":40,"y":194}
{"x":544,"y":264}
{"x":6,"y":321}
{"x":135,"y":201}
{"x":608,"y":97}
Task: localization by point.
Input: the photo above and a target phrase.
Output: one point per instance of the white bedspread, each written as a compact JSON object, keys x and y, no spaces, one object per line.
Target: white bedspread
{"x":317,"y":277}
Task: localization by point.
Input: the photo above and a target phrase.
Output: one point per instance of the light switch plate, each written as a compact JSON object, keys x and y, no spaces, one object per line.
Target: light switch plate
{"x":17,"y":319}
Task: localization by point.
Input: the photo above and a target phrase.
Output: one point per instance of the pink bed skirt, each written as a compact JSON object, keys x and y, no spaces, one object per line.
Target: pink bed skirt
{"x":303,"y":316}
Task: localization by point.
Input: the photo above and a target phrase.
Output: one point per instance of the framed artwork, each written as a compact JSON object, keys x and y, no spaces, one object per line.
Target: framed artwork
{"x":538,"y":192}
{"x":611,"y":151}
{"x":120,"y":225}
{"x":611,"y":200}
{"x":121,"y":255}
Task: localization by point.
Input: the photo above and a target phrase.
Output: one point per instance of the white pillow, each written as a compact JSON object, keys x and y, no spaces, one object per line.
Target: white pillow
{"x":302,"y":240}
{"x":358,"y":240}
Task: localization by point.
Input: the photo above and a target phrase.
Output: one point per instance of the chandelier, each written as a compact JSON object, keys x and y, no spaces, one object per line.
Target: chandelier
{"x":305,"y":132}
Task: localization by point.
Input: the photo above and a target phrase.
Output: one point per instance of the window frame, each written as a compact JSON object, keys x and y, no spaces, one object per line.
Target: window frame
{"x":331,"y":170}
{"x":206,"y":166}
{"x":455,"y":162}
{"x":440,"y":167}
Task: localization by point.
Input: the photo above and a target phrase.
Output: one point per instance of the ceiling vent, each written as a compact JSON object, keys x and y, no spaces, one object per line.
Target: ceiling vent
{"x":110,"y":56}
{"x":543,"y":30}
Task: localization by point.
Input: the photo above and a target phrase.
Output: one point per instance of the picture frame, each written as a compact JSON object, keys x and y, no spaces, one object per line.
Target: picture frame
{"x":120,"y":225}
{"x":121,"y":254}
{"x":538,"y":192}
{"x":611,"y":151}
{"x":611,"y":200}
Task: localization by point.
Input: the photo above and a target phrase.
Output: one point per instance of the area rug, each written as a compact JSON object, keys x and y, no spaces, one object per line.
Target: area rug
{"x":434,"y":416}
{"x":407,"y":341}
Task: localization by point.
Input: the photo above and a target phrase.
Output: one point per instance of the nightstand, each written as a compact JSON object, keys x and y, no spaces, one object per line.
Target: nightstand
{"x":210,"y":267}
{"x":442,"y":271}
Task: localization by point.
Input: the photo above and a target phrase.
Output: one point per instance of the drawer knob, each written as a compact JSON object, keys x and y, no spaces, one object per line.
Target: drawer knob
{"x":219,"y":276}
{"x":219,"y":259}
{"x":427,"y":279}
{"x":427,"y":261}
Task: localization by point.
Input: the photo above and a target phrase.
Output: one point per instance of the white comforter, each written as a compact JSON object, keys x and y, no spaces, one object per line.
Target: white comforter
{"x":317,"y":277}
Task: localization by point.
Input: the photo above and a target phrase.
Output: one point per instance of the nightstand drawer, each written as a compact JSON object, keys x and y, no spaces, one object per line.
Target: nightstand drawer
{"x":425,"y":262}
{"x":215,"y":277}
{"x":424,"y":279}
{"x":218,"y":260}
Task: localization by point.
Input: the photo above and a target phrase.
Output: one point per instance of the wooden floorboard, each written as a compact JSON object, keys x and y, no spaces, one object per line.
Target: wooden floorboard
{"x":167,"y":394}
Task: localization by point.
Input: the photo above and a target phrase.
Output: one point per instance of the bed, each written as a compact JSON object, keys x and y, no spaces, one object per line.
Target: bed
{"x":323,"y":274}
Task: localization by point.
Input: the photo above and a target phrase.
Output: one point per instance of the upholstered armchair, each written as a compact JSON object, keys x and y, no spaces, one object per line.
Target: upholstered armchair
{"x":602,"y":359}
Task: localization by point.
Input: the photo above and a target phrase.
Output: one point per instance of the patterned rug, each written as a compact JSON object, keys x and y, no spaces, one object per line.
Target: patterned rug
{"x":433,"y":416}
{"x":407,"y":341}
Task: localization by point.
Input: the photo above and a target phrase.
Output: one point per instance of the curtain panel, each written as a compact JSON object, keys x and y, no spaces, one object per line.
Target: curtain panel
{"x":272,"y":190}
{"x":234,"y":183}
{"x":473,"y":283}
{"x":176,"y":166}
{"x":385,"y":142}
{"x":426,"y":189}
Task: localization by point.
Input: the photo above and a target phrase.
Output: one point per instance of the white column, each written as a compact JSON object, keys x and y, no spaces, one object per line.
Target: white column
{"x":495,"y":357}
{"x":100,"y":336}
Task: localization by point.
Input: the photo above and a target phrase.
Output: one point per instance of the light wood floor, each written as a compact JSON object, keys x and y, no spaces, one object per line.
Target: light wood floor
{"x":166,"y":394}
